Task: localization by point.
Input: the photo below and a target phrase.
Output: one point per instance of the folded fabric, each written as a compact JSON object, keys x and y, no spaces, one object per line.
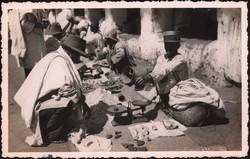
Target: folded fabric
{"x":193,"y":90}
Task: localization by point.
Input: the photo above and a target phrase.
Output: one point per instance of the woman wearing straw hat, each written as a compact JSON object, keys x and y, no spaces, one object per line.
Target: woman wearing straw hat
{"x":52,"y":92}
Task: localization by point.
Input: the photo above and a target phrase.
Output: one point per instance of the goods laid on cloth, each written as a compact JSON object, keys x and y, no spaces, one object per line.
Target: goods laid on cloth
{"x":150,"y":94}
{"x":100,"y":94}
{"x":91,"y":143}
{"x":192,"y":91}
{"x":152,"y":130}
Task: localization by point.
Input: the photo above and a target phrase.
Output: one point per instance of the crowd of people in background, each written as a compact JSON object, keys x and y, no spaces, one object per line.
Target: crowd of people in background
{"x":32,"y":38}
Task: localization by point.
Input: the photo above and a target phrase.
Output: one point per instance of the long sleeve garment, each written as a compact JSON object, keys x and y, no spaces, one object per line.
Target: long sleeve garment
{"x":166,"y":70}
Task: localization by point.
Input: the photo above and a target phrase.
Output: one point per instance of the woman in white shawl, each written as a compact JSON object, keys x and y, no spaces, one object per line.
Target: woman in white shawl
{"x":52,"y":92}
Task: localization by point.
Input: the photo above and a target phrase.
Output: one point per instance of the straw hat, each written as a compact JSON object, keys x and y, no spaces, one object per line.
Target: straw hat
{"x":171,"y":36}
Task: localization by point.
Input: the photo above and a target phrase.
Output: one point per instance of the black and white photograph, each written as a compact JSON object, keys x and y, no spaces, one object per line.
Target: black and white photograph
{"x":124,"y":79}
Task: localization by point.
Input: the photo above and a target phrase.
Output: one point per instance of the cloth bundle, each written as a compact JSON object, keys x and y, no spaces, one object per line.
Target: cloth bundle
{"x":66,"y":91}
{"x":193,"y":90}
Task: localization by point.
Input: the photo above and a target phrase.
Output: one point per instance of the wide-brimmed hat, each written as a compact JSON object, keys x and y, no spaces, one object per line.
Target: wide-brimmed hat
{"x":54,"y":28}
{"x":75,"y":43}
{"x":171,"y":36}
{"x":112,"y":34}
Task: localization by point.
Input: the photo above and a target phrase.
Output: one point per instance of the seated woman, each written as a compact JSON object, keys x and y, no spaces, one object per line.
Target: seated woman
{"x":52,"y":92}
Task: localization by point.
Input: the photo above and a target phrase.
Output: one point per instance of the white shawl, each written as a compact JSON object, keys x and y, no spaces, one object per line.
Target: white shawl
{"x":50,"y":73}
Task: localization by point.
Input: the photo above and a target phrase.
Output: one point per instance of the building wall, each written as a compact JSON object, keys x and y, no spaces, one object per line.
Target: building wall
{"x":209,"y":60}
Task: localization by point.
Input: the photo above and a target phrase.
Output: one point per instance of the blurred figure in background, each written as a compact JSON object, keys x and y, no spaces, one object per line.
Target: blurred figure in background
{"x":95,"y":41}
{"x":54,"y":35}
{"x":28,"y":43}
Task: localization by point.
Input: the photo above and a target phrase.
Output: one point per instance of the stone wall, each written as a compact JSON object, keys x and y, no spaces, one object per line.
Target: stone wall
{"x":208,"y":60}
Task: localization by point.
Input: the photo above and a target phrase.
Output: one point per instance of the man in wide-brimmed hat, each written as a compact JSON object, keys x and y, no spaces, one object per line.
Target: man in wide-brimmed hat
{"x":117,"y":56}
{"x":55,"y":34}
{"x":166,"y":64}
{"x":52,"y":92}
{"x":170,"y":67}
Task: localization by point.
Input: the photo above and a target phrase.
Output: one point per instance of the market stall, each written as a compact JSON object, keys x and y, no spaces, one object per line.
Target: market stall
{"x":123,"y":117}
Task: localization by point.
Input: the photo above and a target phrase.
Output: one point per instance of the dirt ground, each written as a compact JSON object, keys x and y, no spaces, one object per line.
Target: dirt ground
{"x":226,"y":135}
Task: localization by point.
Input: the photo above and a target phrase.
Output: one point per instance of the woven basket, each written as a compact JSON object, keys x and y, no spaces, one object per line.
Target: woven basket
{"x":195,"y":115}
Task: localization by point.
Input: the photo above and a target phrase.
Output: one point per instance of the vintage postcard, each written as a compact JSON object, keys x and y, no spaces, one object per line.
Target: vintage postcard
{"x":124,"y":79}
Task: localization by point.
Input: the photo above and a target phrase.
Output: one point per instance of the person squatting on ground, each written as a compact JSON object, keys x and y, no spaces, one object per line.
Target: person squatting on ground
{"x":52,"y":93}
{"x":117,"y":56}
{"x":170,"y":69}
{"x":28,"y":41}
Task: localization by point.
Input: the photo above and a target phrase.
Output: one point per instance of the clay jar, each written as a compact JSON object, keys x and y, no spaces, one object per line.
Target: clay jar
{"x":130,"y":73}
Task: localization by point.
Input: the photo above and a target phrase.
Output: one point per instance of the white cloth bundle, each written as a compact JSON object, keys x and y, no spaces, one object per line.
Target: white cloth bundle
{"x":193,"y":90}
